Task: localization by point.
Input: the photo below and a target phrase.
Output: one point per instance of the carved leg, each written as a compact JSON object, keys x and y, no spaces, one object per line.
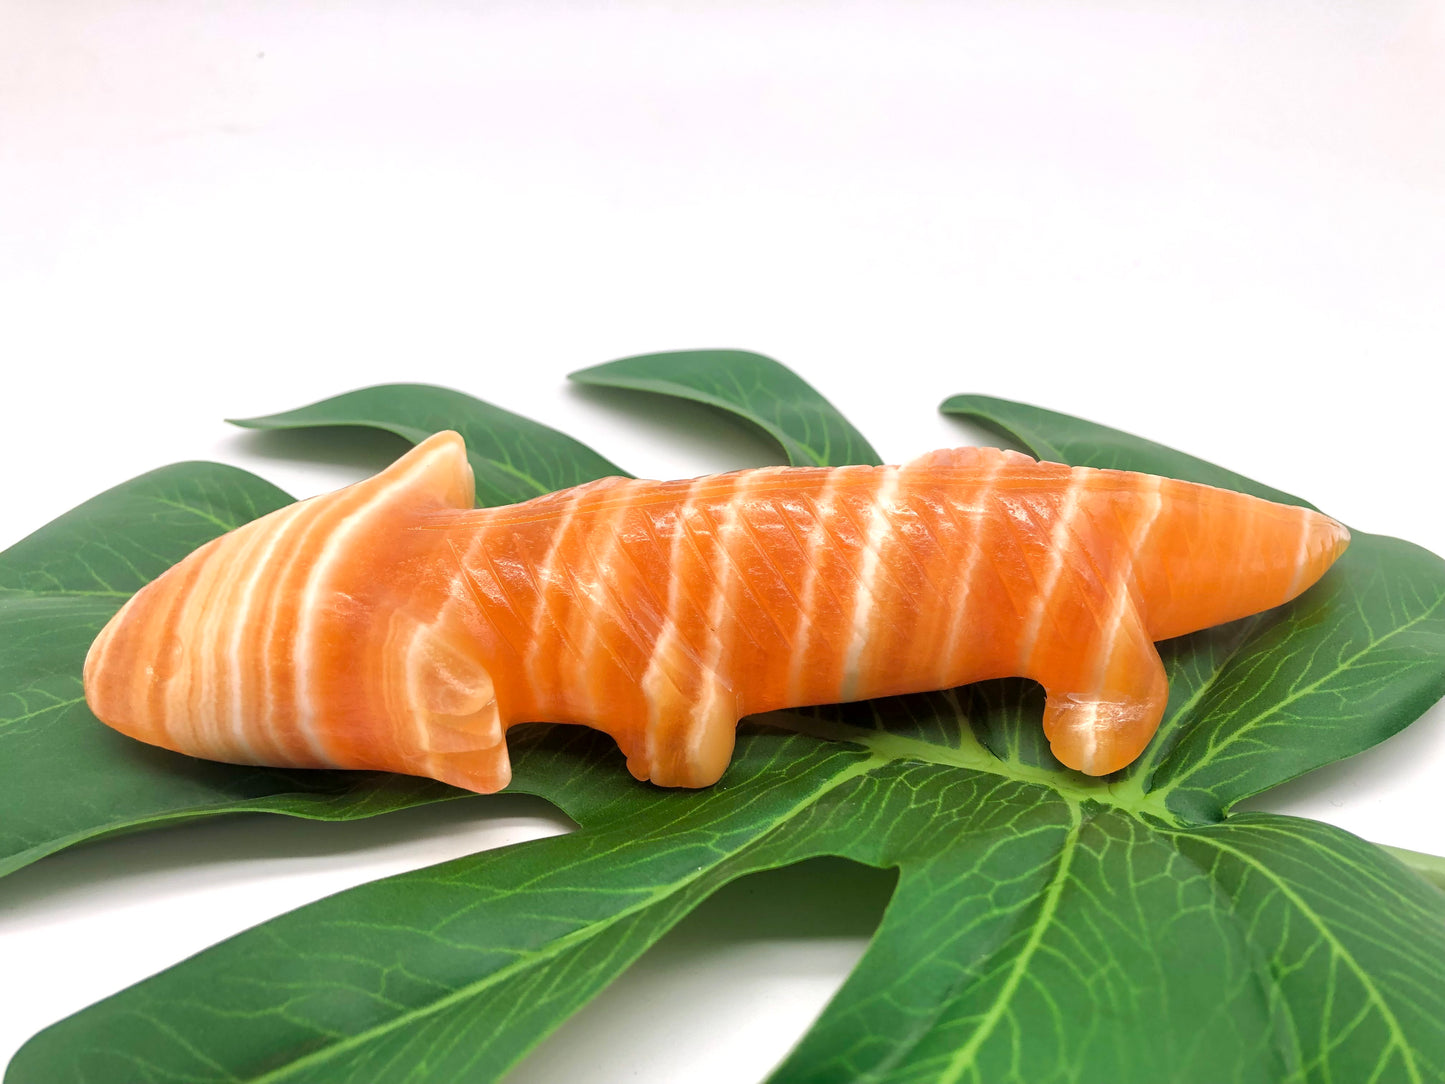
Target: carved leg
{"x":692,"y":720}
{"x":485,"y":771}
{"x":451,"y":721}
{"x":1106,"y":691}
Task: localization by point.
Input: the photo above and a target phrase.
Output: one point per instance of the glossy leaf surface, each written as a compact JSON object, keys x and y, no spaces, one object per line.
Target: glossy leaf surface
{"x":1061,"y":438}
{"x":749,"y":386}
{"x":1046,"y":926}
{"x":512,"y":457}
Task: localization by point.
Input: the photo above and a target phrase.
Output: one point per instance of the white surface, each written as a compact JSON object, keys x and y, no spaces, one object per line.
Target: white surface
{"x":1221,"y":226}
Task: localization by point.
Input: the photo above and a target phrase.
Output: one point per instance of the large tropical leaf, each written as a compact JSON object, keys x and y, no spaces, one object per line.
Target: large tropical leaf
{"x":1045,"y":927}
{"x":1060,"y":438}
{"x":512,"y":457}
{"x":749,"y":386}
{"x":1034,"y":935}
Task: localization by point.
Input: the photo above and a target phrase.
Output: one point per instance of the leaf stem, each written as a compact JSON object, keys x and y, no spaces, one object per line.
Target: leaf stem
{"x":1124,"y":795}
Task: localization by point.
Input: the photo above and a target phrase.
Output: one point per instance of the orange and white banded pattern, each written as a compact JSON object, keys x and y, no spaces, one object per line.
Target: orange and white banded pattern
{"x":390,"y":625}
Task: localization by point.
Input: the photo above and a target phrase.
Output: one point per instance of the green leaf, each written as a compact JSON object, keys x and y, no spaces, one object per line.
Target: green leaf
{"x":1060,"y":438}
{"x":512,"y":457}
{"x":1046,"y":926}
{"x":1029,"y":955}
{"x":64,"y":777}
{"x":752,"y":387}
{"x":1431,"y":867}
{"x":1032,"y":933}
{"x":417,"y":968}
{"x":1355,"y":947}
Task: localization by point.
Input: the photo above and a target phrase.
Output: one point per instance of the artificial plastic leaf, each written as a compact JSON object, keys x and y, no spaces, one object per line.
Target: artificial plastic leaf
{"x":750,"y":386}
{"x":1046,"y":926}
{"x":1431,"y":867}
{"x":1034,"y":936}
{"x":512,"y":457}
{"x":64,"y":777}
{"x":1061,"y":438}
{"x":1328,"y":920}
{"x":412,"y":971}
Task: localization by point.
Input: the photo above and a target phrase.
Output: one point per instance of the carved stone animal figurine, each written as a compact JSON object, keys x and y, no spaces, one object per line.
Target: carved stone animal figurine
{"x":391,"y":625}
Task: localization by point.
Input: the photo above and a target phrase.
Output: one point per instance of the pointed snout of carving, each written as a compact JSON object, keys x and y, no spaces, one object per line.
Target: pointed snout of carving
{"x":1222,"y":556}
{"x":1325,"y":543}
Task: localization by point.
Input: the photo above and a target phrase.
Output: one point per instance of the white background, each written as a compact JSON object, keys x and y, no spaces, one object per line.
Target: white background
{"x":1218,"y":225}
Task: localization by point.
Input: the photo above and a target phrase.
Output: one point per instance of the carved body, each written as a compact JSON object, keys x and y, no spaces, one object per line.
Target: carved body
{"x":391,"y":625}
